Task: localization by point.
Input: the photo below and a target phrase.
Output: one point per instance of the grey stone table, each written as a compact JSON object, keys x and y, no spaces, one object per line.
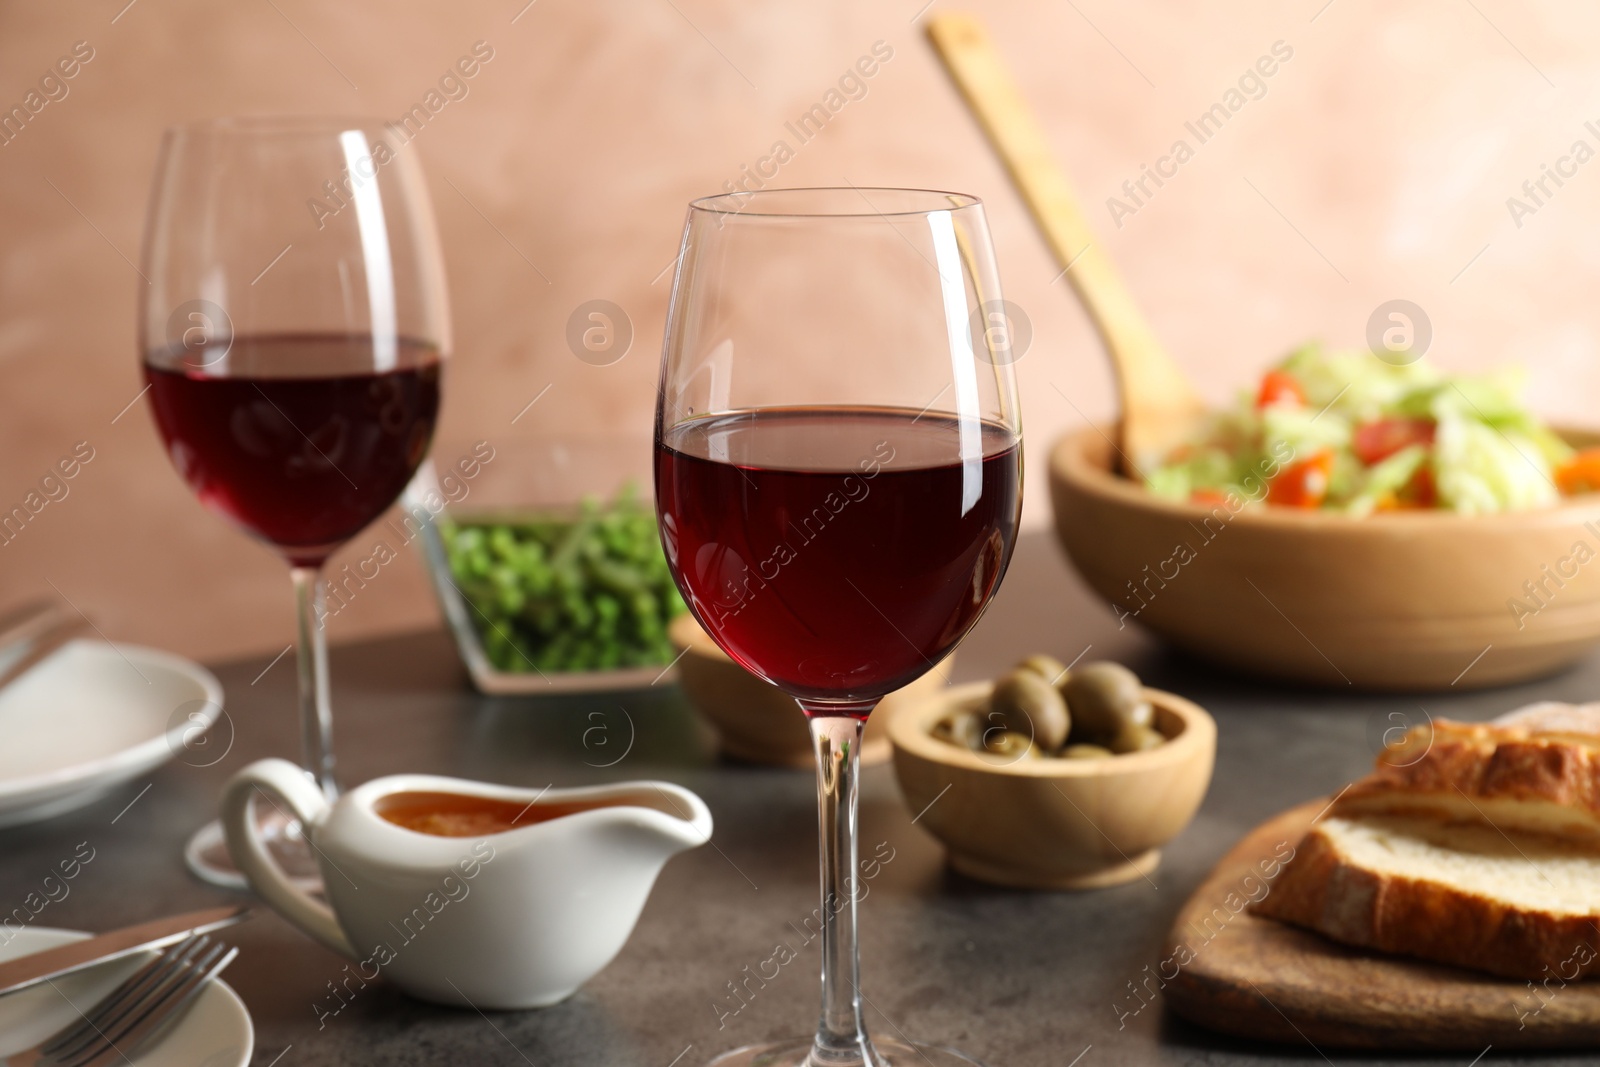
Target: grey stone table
{"x":1017,"y":979}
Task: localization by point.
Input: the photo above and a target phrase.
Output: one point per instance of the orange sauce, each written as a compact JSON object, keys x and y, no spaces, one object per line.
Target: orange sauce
{"x":459,"y":815}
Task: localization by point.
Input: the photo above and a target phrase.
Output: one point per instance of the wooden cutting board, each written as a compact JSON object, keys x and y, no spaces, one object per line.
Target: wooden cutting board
{"x":1262,"y":979}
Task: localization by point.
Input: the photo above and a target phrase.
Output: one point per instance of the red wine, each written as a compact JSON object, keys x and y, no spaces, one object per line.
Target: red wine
{"x":837,"y":553}
{"x":296,"y":437}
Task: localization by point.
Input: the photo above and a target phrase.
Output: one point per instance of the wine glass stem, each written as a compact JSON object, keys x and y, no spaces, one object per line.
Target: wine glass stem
{"x":311,"y":659}
{"x":841,"y":1035}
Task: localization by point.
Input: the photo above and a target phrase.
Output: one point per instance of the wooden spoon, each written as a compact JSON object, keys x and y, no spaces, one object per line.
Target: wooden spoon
{"x":1160,"y":408}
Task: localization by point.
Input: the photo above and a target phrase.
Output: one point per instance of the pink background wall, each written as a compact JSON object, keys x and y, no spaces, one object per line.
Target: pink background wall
{"x":1376,"y":165}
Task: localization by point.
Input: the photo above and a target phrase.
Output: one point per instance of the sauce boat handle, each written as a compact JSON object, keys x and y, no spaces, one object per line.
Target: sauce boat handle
{"x":286,"y":786}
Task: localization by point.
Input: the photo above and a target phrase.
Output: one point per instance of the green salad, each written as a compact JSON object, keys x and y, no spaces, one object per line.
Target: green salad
{"x":1349,"y":432}
{"x":583,"y":593}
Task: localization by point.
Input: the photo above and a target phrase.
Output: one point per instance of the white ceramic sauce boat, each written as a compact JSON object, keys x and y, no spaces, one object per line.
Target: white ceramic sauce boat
{"x":515,"y":919}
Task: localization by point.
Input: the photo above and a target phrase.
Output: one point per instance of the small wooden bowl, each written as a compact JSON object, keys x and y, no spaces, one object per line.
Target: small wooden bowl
{"x":1053,"y":823}
{"x":758,"y":722}
{"x":1398,"y":600}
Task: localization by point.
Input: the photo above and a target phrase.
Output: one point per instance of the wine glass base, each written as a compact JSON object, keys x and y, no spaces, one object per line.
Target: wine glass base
{"x":206,"y":854}
{"x":889,"y":1054}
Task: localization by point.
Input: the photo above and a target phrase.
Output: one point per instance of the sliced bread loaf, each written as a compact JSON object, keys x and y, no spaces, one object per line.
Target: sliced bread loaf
{"x":1525,"y":907}
{"x":1511,"y":777}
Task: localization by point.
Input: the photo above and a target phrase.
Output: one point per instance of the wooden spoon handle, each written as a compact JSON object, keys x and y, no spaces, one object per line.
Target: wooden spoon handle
{"x":1157,"y":400}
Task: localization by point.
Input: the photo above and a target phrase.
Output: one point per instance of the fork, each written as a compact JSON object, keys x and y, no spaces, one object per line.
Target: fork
{"x":134,"y":1011}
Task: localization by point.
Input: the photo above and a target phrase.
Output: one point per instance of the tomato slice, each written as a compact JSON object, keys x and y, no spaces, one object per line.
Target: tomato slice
{"x":1378,"y":440}
{"x":1580,"y":474}
{"x":1279,"y":387}
{"x":1420,"y":493}
{"x":1208,"y":496}
{"x":1303,"y":484}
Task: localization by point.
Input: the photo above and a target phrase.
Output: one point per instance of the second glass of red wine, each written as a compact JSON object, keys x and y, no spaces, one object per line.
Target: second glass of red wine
{"x":838,"y":484}
{"x":293,"y":328}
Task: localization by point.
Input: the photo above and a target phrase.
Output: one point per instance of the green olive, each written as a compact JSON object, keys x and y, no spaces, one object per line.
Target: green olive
{"x":1135,"y":738}
{"x":1026,"y":703}
{"x":1008,"y":747}
{"x":962,"y":728}
{"x":1047,"y":667}
{"x":1086,"y":752}
{"x":1143,"y":714}
{"x":1101,"y":699}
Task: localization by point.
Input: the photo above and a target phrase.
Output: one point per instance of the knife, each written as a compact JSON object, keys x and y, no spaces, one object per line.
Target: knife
{"x":26,"y":621}
{"x":37,"y":967}
{"x":41,"y":646}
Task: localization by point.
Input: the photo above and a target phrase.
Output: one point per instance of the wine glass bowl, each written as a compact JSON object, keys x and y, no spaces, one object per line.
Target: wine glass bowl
{"x":294,"y":439}
{"x":826,"y":355}
{"x":294,"y":324}
{"x":851,"y":568}
{"x":838,"y":480}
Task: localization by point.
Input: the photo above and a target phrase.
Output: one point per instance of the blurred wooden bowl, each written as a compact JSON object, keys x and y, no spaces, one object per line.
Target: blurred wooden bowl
{"x":1398,"y":600}
{"x":757,"y":722}
{"x":1053,"y":823}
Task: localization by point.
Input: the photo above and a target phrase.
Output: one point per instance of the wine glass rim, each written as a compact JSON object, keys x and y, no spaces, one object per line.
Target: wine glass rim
{"x":854,"y":202}
{"x":285,"y":125}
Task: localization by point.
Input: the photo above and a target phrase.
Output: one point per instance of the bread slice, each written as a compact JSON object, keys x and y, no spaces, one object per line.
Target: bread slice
{"x":1510,"y":777}
{"x":1554,"y":717}
{"x":1524,"y":906}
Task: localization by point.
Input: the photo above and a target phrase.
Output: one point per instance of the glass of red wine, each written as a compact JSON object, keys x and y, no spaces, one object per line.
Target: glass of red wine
{"x":293,"y":329}
{"x":838,"y":484}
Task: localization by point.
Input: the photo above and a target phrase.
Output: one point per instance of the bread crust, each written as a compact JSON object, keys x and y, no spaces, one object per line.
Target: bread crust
{"x":1505,"y":776}
{"x":1321,"y":890}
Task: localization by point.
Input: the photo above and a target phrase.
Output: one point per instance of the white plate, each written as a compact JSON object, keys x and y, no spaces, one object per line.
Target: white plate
{"x":214,"y":1032}
{"x":91,"y":717}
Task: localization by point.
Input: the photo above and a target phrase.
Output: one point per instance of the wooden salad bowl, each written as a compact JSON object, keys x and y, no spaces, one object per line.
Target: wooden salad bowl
{"x":755,"y":721}
{"x":1418,"y":600}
